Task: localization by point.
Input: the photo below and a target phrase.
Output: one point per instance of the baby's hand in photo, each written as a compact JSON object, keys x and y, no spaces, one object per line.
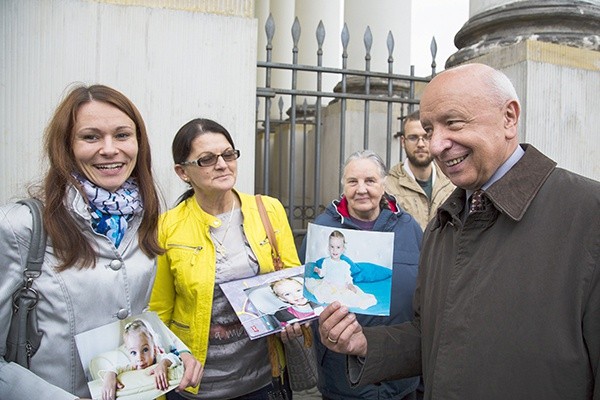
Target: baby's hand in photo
{"x":110,"y":386}
{"x":318,"y":271}
{"x":160,"y":375}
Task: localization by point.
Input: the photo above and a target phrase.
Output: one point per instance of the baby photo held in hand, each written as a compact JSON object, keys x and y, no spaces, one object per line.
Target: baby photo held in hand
{"x":134,"y":359}
{"x":351,"y":266}
{"x":266,"y":303}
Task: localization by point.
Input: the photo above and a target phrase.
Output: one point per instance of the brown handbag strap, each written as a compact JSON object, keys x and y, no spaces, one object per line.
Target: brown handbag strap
{"x":276,"y":363}
{"x":267,"y":223}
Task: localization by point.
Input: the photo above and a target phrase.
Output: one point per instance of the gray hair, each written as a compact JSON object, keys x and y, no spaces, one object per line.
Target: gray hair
{"x":495,"y":84}
{"x":366,"y":155}
{"x":502,"y":88}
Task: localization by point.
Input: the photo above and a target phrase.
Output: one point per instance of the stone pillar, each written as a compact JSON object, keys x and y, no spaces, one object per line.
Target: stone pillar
{"x":550,"y":49}
{"x":382,"y":17}
{"x":564,"y":22}
{"x":330,"y":13}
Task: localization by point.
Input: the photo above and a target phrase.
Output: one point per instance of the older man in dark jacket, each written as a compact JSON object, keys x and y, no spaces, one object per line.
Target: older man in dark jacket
{"x":508,"y":296}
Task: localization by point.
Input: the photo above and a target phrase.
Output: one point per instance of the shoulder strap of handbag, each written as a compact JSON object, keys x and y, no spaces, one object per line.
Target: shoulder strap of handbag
{"x":37,"y":247}
{"x":23,"y":338}
{"x":276,"y":363}
{"x":268,"y":227}
{"x":308,"y":340}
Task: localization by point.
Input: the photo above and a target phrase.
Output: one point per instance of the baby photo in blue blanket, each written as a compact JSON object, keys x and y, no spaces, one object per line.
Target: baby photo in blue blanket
{"x":351,"y":266}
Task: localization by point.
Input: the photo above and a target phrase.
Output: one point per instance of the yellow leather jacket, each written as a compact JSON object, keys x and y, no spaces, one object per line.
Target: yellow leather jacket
{"x":183,"y":289}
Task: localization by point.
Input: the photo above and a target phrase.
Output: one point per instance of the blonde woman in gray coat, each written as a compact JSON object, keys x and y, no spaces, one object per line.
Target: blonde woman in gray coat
{"x":100,"y":214}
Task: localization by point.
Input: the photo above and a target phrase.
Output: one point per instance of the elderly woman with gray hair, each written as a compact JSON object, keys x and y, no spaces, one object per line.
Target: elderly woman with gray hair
{"x":364,"y":205}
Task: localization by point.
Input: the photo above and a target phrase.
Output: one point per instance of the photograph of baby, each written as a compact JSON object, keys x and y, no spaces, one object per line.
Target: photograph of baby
{"x":133,"y":359}
{"x":266,"y":303}
{"x":296,"y":307}
{"x":351,"y":266}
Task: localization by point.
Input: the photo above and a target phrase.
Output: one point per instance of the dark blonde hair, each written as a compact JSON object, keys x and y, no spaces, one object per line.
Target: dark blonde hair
{"x":138,"y":326}
{"x":274,"y":284}
{"x":69,"y":242}
{"x":337,"y":234}
{"x":282,"y":280}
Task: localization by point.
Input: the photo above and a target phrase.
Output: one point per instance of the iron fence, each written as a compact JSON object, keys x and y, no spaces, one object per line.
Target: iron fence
{"x":299,"y":151}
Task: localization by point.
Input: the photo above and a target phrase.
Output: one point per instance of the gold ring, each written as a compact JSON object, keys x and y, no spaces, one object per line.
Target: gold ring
{"x":331,"y":340}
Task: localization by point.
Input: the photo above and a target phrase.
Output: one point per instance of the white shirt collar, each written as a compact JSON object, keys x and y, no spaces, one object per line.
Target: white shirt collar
{"x":502,"y":170}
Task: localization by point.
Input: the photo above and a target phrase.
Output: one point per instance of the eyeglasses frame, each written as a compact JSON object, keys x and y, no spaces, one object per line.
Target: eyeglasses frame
{"x":197,"y":162}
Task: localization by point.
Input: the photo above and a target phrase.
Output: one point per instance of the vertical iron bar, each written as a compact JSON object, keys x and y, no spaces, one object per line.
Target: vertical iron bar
{"x":388,"y":145}
{"x":368,"y":40}
{"x":411,"y":92}
{"x":281,"y":146}
{"x":270,"y":31}
{"x":257,"y":147}
{"x":318,"y":127}
{"x":292,"y":161}
{"x":345,"y":40}
{"x":304,"y":137}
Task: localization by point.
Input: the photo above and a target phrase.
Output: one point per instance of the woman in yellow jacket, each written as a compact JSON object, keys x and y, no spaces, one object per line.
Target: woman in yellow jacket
{"x":215,"y":235}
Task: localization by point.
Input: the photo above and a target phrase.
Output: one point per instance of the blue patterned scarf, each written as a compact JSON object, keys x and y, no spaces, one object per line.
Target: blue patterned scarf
{"x":111,"y":211}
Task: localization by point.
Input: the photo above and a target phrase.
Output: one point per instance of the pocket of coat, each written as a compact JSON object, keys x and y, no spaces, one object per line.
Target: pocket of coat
{"x":180,"y":325}
{"x":183,"y":253}
{"x":182,"y":331}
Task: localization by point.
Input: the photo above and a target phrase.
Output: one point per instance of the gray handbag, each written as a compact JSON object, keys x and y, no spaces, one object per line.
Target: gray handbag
{"x":301,"y":361}
{"x":23,"y":336}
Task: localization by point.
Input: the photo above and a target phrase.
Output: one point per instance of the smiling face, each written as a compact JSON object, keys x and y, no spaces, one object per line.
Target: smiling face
{"x":363,"y":188}
{"x":105,"y":145}
{"x":290,"y":291}
{"x":336,"y":247}
{"x":140,"y":349}
{"x":472,"y":122}
{"x":417,"y":152}
{"x":214,"y":179}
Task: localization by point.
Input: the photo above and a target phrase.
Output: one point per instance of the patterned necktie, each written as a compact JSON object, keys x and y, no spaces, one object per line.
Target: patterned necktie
{"x":477,"y":204}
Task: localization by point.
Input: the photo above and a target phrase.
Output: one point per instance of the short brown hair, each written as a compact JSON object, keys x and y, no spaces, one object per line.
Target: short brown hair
{"x":413,"y":116}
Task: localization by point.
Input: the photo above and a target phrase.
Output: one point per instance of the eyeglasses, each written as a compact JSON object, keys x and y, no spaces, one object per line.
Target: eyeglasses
{"x":211,"y":159}
{"x":415,"y":138}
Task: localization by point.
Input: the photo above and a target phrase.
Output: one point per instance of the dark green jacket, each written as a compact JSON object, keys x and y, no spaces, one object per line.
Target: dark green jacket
{"x":507,"y":304}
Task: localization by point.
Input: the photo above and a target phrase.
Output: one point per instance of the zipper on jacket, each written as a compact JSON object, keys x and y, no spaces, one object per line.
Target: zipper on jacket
{"x":266,"y":240}
{"x":183,"y":246}
{"x":179,"y":324}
